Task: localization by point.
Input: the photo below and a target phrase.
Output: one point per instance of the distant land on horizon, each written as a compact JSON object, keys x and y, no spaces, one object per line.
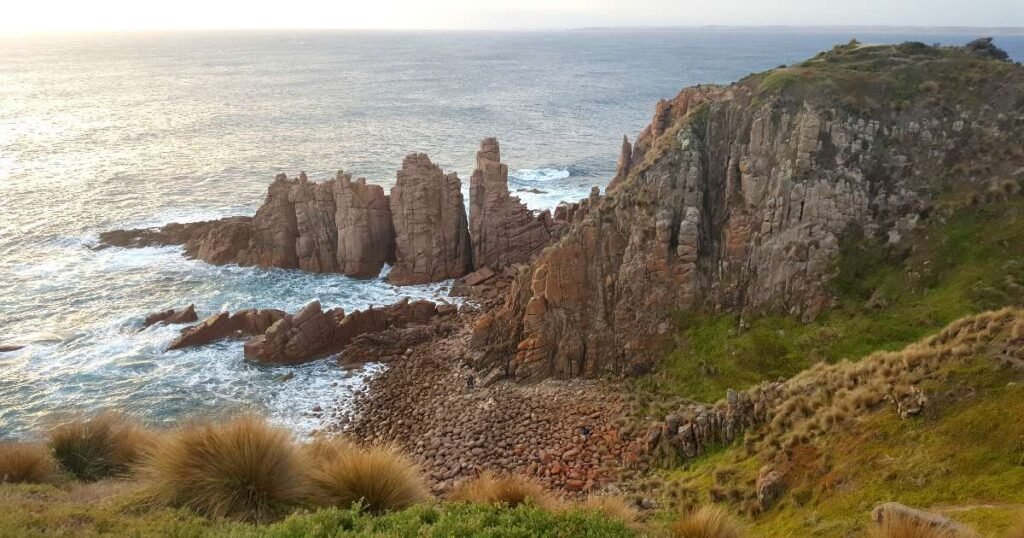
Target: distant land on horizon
{"x":988,"y":30}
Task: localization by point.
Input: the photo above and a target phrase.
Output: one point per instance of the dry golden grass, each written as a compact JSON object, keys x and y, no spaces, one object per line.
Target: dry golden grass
{"x":243,"y":469}
{"x":613,"y":508}
{"x":510,"y":490}
{"x":102,"y":446}
{"x":1017,"y":531}
{"x":26,"y":463}
{"x":708,"y":521}
{"x":381,"y":478}
{"x":903,"y":527}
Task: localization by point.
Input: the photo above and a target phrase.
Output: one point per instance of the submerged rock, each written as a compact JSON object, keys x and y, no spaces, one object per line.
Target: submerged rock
{"x":171,"y":317}
{"x":222,"y":325}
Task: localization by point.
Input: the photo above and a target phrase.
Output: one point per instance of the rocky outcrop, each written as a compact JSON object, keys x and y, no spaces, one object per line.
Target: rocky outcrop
{"x":736,"y":199}
{"x":312,"y":333}
{"x":503,"y":230}
{"x":171,"y":317}
{"x":366,"y":237}
{"x":624,"y":164}
{"x":431,"y":234}
{"x":222,"y":325}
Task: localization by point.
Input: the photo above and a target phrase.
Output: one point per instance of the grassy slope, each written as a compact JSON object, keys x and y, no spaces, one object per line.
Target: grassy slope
{"x":964,"y":457}
{"x":967,"y":263}
{"x":111,"y":509}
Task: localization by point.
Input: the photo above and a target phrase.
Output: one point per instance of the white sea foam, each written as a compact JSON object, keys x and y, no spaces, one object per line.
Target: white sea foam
{"x":538,"y":174}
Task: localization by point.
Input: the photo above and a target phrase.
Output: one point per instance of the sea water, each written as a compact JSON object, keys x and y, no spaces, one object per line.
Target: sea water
{"x":105,"y":131}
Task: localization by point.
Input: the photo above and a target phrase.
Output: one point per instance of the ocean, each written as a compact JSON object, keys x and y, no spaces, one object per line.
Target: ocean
{"x":112,"y":131}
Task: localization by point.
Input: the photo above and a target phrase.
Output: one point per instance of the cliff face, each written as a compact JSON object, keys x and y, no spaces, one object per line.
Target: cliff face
{"x":504,"y":231}
{"x":735,"y":198}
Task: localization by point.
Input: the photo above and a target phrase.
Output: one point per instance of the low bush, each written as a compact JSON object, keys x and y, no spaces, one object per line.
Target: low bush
{"x":102,"y":446}
{"x":379,"y":478}
{"x":612,"y":507}
{"x":509,"y":490}
{"x":26,"y":463}
{"x":243,"y":469}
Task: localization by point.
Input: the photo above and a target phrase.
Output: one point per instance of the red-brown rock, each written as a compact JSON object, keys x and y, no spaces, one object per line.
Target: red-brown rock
{"x":366,"y":237}
{"x":172,"y":316}
{"x":227,"y":325}
{"x":503,"y":229}
{"x":431,"y":233}
{"x":312,"y":333}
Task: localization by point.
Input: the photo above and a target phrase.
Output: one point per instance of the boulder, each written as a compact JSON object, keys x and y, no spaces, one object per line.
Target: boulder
{"x":366,"y":237}
{"x":479,"y":276}
{"x":503,"y":230}
{"x":226,"y":325}
{"x":770,"y":486}
{"x":431,"y":234}
{"x":172,"y":316}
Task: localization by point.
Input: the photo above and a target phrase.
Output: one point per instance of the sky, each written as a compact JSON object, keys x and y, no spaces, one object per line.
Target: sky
{"x":19,"y":16}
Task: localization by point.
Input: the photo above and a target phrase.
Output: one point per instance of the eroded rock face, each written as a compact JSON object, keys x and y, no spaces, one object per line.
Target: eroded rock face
{"x":734,"y":204}
{"x":431,"y":233}
{"x":503,"y":230}
{"x":312,"y":333}
{"x":222,"y":325}
{"x":366,"y":238}
{"x":316,"y":238}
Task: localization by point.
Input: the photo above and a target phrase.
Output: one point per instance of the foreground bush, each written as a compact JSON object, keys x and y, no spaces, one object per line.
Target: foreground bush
{"x":243,"y":469}
{"x":26,"y":463}
{"x":613,"y":508}
{"x":380,"y":478}
{"x":102,"y":446}
{"x":510,"y":490}
{"x":706,"y":522}
{"x":452,"y":520}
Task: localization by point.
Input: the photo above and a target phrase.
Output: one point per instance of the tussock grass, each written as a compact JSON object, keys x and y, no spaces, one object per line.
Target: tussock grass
{"x":612,"y":507}
{"x":26,"y":463}
{"x":708,"y":521}
{"x":508,"y":490}
{"x":904,"y":527}
{"x":244,"y":469}
{"x":380,"y":478}
{"x":102,"y":446}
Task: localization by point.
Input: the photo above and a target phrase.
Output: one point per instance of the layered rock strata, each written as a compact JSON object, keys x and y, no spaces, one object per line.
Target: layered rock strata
{"x":504,"y":231}
{"x":736,"y":200}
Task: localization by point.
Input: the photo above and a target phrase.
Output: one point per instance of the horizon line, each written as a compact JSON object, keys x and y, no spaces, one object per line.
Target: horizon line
{"x":996,"y":30}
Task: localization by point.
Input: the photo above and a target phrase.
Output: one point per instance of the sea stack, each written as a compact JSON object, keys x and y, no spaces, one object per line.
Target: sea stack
{"x":431,"y":233}
{"x":503,"y":229}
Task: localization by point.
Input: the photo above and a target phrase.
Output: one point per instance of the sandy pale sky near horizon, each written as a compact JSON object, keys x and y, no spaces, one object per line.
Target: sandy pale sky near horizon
{"x":99,"y":15}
